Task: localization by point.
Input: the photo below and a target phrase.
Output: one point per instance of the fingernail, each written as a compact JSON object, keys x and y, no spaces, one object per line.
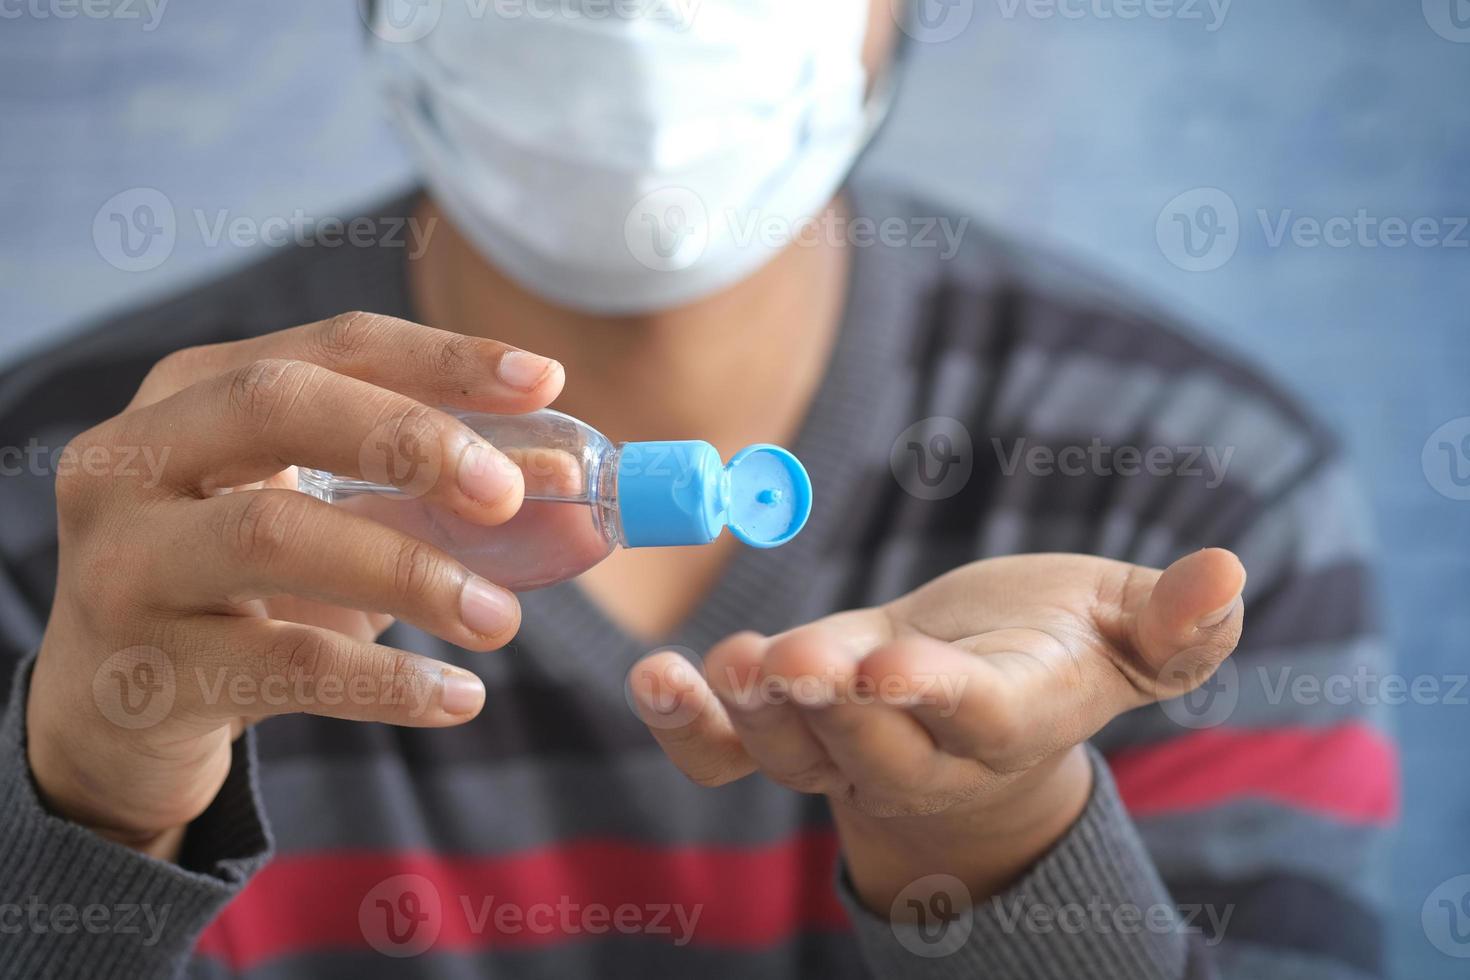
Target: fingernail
{"x":665,"y":696}
{"x":522,"y":370}
{"x":485,"y":475}
{"x":661,"y":702}
{"x":463,"y":694}
{"x":1219,"y":615}
{"x":486,"y":609}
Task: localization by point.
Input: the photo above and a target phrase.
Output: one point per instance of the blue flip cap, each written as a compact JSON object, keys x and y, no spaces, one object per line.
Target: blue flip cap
{"x":679,"y":493}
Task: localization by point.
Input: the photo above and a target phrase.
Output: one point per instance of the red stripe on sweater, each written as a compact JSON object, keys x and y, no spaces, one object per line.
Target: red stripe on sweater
{"x":1348,"y":772}
{"x":743,"y":897}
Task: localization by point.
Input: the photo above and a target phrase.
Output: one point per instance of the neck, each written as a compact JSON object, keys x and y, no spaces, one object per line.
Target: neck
{"x":735,"y":368}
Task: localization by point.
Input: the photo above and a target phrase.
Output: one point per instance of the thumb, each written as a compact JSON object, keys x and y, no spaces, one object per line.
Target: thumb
{"x":1191,"y":619}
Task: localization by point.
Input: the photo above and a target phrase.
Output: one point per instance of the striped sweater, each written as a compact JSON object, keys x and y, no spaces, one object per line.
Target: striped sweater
{"x":1232,"y":834}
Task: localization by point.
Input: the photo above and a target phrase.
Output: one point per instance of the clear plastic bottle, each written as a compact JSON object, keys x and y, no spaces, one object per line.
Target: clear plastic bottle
{"x":586,"y":497}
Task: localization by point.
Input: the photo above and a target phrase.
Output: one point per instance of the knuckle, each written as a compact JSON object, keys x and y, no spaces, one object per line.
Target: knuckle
{"x":257,"y":390}
{"x":455,"y":355}
{"x":98,"y":469}
{"x":303,"y":654}
{"x":261,"y":528}
{"x":74,"y":489}
{"x":399,"y":675}
{"x":112,"y":597}
{"x":412,"y":684}
{"x":417,"y":572}
{"x":169,"y":368}
{"x":400,"y":666}
{"x":347,"y":336}
{"x":187,"y":363}
{"x":418,"y":422}
{"x":179,"y":369}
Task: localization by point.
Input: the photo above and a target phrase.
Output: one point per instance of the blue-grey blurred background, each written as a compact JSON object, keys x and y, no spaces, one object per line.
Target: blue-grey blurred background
{"x":1068,"y":122}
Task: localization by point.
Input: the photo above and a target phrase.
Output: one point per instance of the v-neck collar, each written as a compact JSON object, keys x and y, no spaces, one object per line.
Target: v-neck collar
{"x":759,"y":590}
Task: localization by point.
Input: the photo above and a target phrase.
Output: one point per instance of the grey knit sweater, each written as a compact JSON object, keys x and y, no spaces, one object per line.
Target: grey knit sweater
{"x":1229,"y":835}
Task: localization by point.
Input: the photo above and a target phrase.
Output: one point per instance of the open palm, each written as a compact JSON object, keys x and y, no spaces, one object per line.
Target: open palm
{"x":953,"y":691}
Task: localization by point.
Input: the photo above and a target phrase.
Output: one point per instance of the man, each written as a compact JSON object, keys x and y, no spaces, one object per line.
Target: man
{"x":964,"y":772}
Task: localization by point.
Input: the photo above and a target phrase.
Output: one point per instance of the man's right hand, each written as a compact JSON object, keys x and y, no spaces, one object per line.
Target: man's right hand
{"x":199,"y":595}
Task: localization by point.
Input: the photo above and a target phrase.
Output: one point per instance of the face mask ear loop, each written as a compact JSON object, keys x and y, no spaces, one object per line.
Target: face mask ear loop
{"x":878,"y":104}
{"x":367,"y":10}
{"x":877,"y":108}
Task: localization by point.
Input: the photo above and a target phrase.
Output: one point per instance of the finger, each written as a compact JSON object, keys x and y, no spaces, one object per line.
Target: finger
{"x":687,"y":720}
{"x":750,"y":677}
{"x":244,"y":426}
{"x":886,"y":761}
{"x":989,"y":703}
{"x":260,"y":667}
{"x":1021,"y":695}
{"x":436,"y":367}
{"x":1191,"y":618}
{"x":266,"y":543}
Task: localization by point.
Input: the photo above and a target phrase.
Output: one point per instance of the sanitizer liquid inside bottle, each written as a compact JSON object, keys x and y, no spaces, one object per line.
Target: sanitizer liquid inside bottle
{"x":586,"y":497}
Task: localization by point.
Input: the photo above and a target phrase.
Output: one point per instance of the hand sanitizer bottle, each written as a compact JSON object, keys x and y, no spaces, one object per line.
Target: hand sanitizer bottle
{"x":586,"y":497}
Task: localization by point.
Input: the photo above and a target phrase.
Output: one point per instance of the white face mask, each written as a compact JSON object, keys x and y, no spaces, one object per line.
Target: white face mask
{"x":623,"y":164}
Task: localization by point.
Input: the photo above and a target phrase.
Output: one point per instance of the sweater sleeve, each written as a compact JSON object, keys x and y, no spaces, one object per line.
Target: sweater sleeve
{"x":1232,"y":834}
{"x":73,"y":904}
{"x":1094,"y":906}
